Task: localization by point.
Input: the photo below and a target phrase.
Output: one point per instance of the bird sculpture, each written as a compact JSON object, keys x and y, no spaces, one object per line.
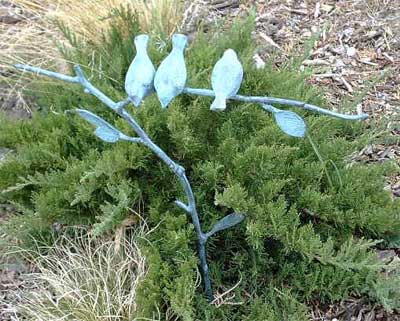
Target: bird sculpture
{"x":226,"y":78}
{"x":140,"y":75}
{"x":170,"y":78}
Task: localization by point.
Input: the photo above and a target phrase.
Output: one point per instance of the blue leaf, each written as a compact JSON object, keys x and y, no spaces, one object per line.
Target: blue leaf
{"x":290,"y":123}
{"x":107,"y":135}
{"x":104,"y":130}
{"x":226,"y":222}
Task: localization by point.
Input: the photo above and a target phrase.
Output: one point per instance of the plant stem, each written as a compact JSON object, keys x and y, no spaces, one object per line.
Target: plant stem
{"x":191,"y":209}
{"x":321,"y":160}
{"x":178,"y":170}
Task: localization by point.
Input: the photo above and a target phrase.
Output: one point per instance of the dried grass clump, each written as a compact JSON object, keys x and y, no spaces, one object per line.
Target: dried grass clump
{"x":32,"y":38}
{"x":29,"y":39}
{"x":91,"y":18}
{"x":83,"y":279}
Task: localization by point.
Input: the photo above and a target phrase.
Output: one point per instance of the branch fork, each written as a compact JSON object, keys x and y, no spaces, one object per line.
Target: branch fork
{"x":291,"y":123}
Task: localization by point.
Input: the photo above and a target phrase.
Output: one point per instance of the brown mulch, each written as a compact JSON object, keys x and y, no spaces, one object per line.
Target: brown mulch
{"x":354,"y":56}
{"x":355,"y":309}
{"x":355,"y":52}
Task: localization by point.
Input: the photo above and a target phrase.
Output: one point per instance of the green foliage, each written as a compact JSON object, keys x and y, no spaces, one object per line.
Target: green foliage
{"x":312,"y":220}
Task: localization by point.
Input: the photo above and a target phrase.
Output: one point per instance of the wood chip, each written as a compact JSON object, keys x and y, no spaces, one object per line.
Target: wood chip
{"x":346,"y":84}
{"x":260,"y":63}
{"x":270,"y":41}
{"x":327,"y":8}
{"x":303,"y":12}
{"x":317,"y":10}
{"x":223,"y":4}
{"x":367,"y":62}
{"x":315,"y":62}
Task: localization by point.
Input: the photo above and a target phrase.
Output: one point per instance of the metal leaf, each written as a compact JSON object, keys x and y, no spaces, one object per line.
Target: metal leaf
{"x":226,"y":222}
{"x":290,"y":123}
{"x":107,"y":135}
{"x":104,"y":130}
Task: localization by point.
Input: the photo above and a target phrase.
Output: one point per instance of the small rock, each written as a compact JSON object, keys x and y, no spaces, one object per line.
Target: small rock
{"x":340,"y":64}
{"x":338,"y":50}
{"x":386,"y":255}
{"x":3,"y":153}
{"x":314,"y":29}
{"x":368,"y":150}
{"x":7,"y":19}
{"x":380,"y":315}
{"x":351,"y":52}
{"x":260,"y":63}
{"x":348,"y":32}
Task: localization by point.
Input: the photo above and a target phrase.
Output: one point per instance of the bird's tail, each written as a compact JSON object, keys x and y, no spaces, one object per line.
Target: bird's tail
{"x":136,"y":100}
{"x":219,"y":104}
{"x":133,"y":94}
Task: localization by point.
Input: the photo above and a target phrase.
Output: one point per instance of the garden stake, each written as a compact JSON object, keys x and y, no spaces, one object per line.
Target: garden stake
{"x":169,"y":82}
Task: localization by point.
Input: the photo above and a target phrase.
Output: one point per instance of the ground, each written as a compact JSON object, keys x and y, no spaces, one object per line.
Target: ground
{"x":355,"y":49}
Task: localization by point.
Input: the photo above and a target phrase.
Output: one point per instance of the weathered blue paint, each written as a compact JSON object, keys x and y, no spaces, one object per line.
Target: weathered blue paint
{"x":279,"y":101}
{"x":104,"y":130}
{"x":170,"y":79}
{"x":140,"y":75}
{"x":289,"y":122}
{"x":226,"y":79}
{"x":225,"y":223}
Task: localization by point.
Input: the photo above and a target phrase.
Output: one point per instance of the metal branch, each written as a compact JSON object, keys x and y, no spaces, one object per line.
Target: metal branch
{"x":273,"y":100}
{"x":78,"y":79}
{"x":193,"y":91}
{"x":132,"y":139}
{"x":51,"y":74}
{"x":178,"y":170}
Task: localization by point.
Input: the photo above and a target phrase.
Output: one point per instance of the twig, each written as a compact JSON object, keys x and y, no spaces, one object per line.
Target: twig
{"x":317,"y":10}
{"x":270,"y":41}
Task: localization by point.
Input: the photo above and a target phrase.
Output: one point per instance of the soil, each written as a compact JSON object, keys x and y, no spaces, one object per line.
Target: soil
{"x":355,"y":52}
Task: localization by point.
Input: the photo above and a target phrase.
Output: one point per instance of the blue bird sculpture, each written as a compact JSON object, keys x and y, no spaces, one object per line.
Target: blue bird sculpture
{"x":140,"y":75}
{"x":226,"y":78}
{"x":170,"y":78}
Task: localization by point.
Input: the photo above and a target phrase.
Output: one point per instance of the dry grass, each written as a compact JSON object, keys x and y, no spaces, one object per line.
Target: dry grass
{"x":90,"y":18}
{"x":32,"y":39}
{"x":84,"y":279}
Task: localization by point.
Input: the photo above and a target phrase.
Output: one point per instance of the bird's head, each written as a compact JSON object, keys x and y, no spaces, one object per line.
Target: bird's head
{"x":179,"y":41}
{"x":141,"y":41}
{"x":230,"y":53}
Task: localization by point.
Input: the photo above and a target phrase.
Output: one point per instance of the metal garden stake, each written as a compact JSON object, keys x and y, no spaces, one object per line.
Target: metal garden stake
{"x":169,"y":81}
